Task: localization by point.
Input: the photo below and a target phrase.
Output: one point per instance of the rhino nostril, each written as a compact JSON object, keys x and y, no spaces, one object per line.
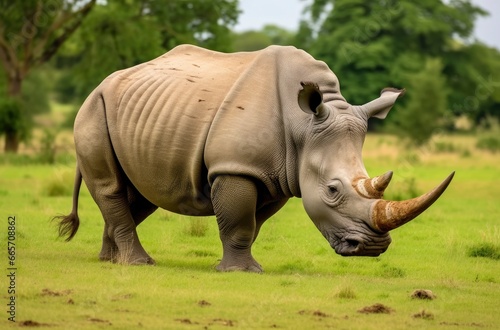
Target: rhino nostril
{"x":352,"y":243}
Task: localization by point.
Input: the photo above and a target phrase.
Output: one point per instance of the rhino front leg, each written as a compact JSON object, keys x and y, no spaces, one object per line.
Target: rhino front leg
{"x":234,"y":200}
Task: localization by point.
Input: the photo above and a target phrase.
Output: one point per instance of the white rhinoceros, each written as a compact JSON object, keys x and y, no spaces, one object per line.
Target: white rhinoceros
{"x":200,"y":133}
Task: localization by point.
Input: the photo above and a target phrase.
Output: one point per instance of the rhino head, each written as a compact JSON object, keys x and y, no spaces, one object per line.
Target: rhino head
{"x":344,"y":203}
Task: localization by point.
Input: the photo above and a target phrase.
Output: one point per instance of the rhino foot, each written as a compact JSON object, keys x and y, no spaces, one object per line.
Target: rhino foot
{"x":138,"y":261}
{"x":251,"y":266}
{"x":128,"y":260}
{"x":110,"y":252}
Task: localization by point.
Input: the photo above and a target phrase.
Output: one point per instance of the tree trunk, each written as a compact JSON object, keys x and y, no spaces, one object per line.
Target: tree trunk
{"x":11,"y":142}
{"x":12,"y":135}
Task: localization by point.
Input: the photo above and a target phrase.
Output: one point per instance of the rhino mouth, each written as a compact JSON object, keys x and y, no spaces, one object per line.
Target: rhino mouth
{"x":358,"y":245}
{"x":348,"y":246}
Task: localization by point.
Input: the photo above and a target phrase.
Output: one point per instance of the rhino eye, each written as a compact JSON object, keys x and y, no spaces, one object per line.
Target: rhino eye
{"x":333,"y":189}
{"x":331,"y":193}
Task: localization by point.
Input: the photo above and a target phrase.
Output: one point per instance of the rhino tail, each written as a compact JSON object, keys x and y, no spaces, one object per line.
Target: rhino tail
{"x":68,"y":224}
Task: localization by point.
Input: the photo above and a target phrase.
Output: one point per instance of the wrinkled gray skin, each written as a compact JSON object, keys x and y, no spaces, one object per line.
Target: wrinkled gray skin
{"x":236,"y":135}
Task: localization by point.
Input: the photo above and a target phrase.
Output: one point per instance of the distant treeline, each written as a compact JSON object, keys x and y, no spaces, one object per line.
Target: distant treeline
{"x":60,"y":50}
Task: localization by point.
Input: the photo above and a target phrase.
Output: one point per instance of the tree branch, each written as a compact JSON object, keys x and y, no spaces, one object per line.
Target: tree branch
{"x":54,"y":46}
{"x":7,"y":56}
{"x":30,"y":25}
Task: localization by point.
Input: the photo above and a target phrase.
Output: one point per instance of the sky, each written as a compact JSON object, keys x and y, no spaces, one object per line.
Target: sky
{"x":287,"y":13}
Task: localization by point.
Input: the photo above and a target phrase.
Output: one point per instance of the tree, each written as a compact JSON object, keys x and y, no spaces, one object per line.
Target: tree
{"x":105,"y":36}
{"x":250,"y":40}
{"x":31,"y":32}
{"x":105,"y":44}
{"x":269,"y":35}
{"x":201,"y":22}
{"x":425,"y":109}
{"x":473,"y":73}
{"x":373,"y":44}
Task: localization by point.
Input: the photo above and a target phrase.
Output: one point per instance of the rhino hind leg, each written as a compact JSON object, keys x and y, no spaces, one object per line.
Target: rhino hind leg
{"x":120,"y":240}
{"x":107,"y":184}
{"x":140,"y":208}
{"x":234,"y":199}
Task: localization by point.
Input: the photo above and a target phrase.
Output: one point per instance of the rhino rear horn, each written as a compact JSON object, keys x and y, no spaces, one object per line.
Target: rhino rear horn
{"x":373,"y":188}
{"x":389,"y":215}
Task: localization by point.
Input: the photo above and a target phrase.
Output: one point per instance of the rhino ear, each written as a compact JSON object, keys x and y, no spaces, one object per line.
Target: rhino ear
{"x":379,"y":108}
{"x":311,"y":99}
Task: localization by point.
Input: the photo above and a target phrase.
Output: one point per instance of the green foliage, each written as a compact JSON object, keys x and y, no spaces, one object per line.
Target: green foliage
{"x":197,"y":227}
{"x":31,"y":32}
{"x":48,"y":149}
{"x":11,"y":116}
{"x":346,"y":293}
{"x":250,"y":41}
{"x":18,"y":159}
{"x":485,"y":250}
{"x":104,"y":44}
{"x":255,"y":40}
{"x":424,"y":111}
{"x":16,"y":112}
{"x":404,"y":190}
{"x":474,"y":77}
{"x":443,"y":146}
{"x":391,"y":271}
{"x":489,"y":143}
{"x":489,"y":135}
{"x":60,"y":184}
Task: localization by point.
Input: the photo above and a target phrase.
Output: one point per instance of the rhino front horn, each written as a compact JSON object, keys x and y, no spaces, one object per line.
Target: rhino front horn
{"x":389,"y":215}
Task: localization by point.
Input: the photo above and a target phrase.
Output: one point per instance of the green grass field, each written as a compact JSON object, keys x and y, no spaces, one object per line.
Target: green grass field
{"x":453,"y":249}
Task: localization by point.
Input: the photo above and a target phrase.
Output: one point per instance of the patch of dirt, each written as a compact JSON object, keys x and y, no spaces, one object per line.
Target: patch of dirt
{"x":314,"y":313}
{"x":376,"y":309}
{"x":122,"y":297}
{"x":473,"y":324}
{"x":186,"y":321}
{"x":204,"y":303}
{"x":51,"y":293}
{"x":217,"y":322}
{"x":30,"y":323}
{"x":423,"y":294}
{"x":424,"y":315}
{"x":96,"y":320}
{"x":227,"y":323}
